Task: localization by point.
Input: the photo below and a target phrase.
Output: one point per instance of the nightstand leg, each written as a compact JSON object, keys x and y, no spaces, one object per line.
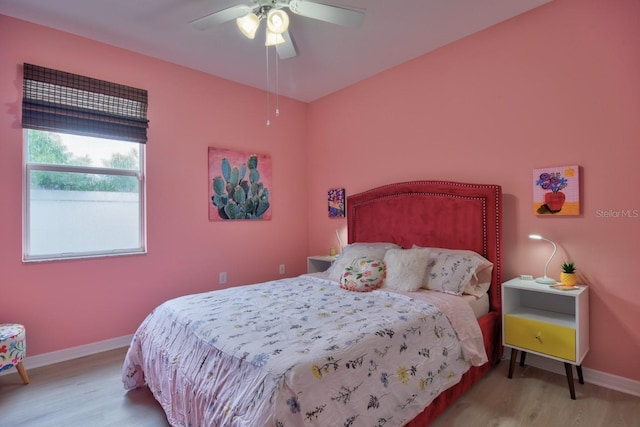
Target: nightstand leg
{"x":569,"y":370}
{"x":580,"y":377}
{"x":523,"y":354}
{"x":514,"y":356}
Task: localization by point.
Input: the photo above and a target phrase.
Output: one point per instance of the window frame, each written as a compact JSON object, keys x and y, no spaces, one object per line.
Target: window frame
{"x":28,"y":167}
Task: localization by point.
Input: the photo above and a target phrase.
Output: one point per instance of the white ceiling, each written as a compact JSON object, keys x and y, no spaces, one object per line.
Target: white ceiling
{"x":330,"y":57}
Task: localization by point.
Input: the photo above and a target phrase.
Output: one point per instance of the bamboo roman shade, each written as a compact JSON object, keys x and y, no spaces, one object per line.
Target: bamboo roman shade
{"x":69,"y":103}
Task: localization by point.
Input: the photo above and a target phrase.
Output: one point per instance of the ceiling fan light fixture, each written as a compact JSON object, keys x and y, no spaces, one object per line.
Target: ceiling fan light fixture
{"x":273,"y":39}
{"x":248,"y":25}
{"x":277,"y":21}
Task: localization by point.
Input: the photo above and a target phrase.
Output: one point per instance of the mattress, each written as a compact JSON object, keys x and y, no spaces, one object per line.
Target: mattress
{"x":480,"y":306}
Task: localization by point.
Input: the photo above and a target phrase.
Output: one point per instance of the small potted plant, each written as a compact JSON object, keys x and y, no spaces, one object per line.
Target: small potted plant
{"x":568,"y":274}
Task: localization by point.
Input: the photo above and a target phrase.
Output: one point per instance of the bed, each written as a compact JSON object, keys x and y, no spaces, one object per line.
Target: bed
{"x":440,"y":214}
{"x":307,"y":351}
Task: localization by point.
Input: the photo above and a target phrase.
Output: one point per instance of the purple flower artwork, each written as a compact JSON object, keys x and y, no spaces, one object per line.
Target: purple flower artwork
{"x":556,"y":191}
{"x":336,"y":203}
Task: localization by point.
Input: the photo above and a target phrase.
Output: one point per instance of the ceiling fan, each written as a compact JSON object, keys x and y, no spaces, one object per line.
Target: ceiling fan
{"x":248,"y":18}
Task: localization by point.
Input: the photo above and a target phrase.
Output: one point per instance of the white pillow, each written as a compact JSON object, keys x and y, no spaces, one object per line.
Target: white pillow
{"x":458,"y":271}
{"x":354,"y":251}
{"x":363,"y":275}
{"x":406,"y":268}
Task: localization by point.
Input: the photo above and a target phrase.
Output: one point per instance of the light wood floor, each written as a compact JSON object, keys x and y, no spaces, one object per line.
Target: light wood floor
{"x":87,"y":392}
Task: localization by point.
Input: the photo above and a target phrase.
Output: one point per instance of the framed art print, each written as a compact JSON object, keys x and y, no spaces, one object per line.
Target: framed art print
{"x":556,"y":191}
{"x":335,"y":198}
{"x":239,"y":185}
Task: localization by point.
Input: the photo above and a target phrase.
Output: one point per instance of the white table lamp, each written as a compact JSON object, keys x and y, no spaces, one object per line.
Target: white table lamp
{"x":545,"y":279}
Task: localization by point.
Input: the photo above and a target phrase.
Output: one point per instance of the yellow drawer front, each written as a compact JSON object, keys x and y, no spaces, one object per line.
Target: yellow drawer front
{"x":546,"y":338}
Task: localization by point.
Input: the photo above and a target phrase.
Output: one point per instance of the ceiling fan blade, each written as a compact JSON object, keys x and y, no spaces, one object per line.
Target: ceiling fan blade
{"x":287,"y":49}
{"x":220,"y":17}
{"x":334,"y":14}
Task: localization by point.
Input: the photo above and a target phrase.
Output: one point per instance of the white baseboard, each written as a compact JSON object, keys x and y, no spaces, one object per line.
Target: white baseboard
{"x":591,"y":376}
{"x":44,"y":359}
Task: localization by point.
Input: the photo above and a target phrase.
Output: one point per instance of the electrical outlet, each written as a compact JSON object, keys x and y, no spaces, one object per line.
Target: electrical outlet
{"x":223,"y":277}
{"x":282,"y":269}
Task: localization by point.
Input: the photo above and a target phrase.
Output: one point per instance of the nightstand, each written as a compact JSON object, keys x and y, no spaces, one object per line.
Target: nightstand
{"x":552,"y":323}
{"x":318,"y":263}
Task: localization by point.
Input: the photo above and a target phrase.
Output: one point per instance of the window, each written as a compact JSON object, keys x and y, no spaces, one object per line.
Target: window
{"x":84,"y":156}
{"x":83,"y":196}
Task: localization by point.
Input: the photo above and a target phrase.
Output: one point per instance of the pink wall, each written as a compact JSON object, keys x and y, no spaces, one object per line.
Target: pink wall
{"x":557,"y":86}
{"x":70,"y":303}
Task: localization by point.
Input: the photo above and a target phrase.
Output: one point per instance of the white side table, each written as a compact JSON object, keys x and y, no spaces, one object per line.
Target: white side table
{"x":318,"y":263}
{"x":552,"y":323}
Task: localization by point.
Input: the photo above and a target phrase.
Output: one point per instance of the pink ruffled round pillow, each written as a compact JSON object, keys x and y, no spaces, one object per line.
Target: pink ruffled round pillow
{"x":363,"y":275}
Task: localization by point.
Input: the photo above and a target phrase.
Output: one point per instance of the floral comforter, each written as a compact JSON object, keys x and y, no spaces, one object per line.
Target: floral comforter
{"x":301,"y":352}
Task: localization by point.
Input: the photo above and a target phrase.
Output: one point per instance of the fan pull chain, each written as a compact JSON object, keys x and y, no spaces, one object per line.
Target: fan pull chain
{"x":268,"y":108}
{"x":277,"y":91}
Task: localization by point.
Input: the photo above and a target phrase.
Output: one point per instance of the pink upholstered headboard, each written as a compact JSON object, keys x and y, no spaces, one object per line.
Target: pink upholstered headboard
{"x":440,"y":214}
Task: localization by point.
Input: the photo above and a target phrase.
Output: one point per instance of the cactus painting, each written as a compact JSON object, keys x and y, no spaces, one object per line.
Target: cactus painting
{"x":239,"y":185}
